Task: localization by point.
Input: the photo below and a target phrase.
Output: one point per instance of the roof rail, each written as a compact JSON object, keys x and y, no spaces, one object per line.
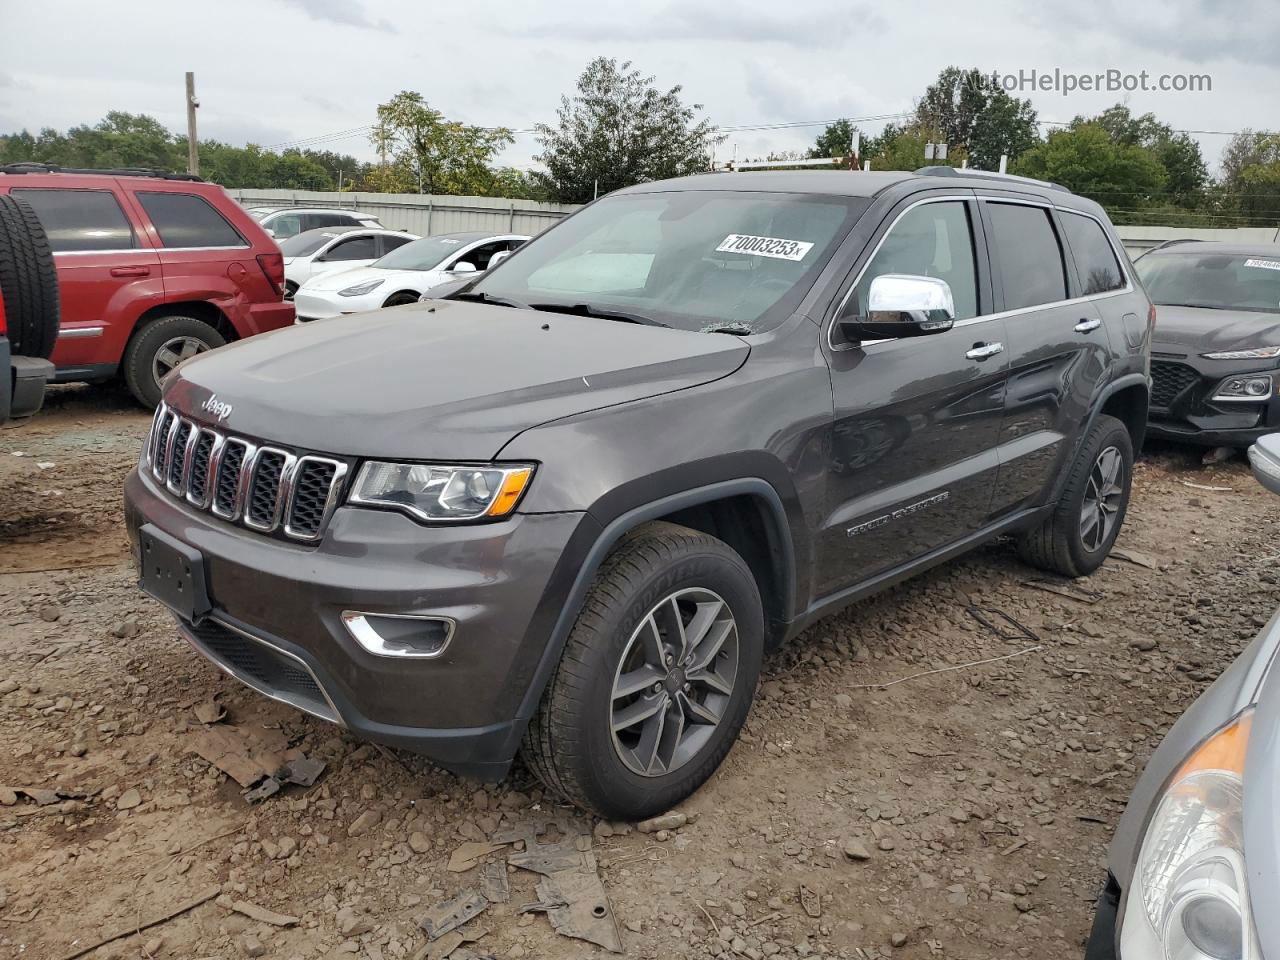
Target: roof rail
{"x":32,"y":166}
{"x":944,"y":171}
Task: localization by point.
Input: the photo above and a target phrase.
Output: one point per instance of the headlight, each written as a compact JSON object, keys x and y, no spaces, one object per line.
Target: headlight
{"x":1190,"y":898}
{"x":1243,"y":388}
{"x":360,"y":289}
{"x":1261,"y":353}
{"x":442,"y":492}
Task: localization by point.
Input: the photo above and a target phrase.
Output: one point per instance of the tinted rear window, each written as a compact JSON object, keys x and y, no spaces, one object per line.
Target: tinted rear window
{"x":1029,"y":256}
{"x":81,"y":219}
{"x":1096,"y":263}
{"x":185,"y":220}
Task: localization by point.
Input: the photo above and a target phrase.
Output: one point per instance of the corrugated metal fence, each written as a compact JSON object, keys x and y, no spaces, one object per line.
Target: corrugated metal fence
{"x":423,"y":215}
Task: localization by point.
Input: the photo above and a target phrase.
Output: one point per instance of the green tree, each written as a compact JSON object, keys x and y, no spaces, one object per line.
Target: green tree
{"x":835,"y":141}
{"x":1179,"y":153}
{"x":976,"y":118}
{"x":1251,"y":176}
{"x":618,"y":130}
{"x":1086,"y":160}
{"x":441,"y":155}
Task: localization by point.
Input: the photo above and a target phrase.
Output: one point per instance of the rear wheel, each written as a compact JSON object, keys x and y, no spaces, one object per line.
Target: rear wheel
{"x":157,"y":348}
{"x":657,"y":676}
{"x":28,"y":280}
{"x":1079,"y":534}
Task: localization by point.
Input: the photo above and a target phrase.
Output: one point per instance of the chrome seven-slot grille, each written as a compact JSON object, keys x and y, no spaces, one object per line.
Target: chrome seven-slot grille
{"x":265,"y":488}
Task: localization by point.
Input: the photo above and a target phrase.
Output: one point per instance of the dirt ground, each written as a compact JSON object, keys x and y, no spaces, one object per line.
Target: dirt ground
{"x":962,"y":813}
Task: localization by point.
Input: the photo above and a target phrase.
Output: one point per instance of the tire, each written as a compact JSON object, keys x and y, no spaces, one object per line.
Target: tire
{"x":28,"y":280}
{"x":401,"y":298}
{"x":1062,"y":544}
{"x":143,"y":353}
{"x":571,"y":744}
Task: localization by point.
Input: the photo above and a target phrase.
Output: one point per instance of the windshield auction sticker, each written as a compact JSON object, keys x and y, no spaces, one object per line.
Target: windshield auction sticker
{"x":764,"y":246}
{"x":1264,"y":264}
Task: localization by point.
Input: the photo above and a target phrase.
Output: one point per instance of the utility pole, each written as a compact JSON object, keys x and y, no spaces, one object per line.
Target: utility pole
{"x":193,"y":145}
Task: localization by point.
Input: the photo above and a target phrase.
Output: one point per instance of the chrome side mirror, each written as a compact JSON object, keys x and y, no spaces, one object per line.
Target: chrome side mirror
{"x":1264,"y":458}
{"x":903,"y":305}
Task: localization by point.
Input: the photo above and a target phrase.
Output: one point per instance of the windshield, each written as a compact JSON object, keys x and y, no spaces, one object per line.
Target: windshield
{"x":259,"y":212}
{"x":425,"y":254}
{"x":1215,"y":280}
{"x":305,"y":244}
{"x":698,"y":260}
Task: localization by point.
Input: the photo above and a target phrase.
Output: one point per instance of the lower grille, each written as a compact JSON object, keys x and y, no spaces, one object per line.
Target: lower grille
{"x":1169,"y":380}
{"x":260,"y":665}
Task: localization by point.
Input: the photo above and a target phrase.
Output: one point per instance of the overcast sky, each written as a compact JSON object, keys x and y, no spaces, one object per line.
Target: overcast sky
{"x":273,"y":71}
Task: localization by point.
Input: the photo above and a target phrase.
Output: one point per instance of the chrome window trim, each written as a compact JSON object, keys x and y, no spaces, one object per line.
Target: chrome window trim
{"x":83,"y":253}
{"x":982,"y":318}
{"x":330,"y":504}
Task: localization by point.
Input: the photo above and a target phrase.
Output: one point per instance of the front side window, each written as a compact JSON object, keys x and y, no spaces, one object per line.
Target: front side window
{"x":284,"y":226}
{"x":357,"y":248}
{"x":931,"y":240}
{"x":1096,"y":264}
{"x":81,"y":219}
{"x":697,"y":260}
{"x":1026,"y":249}
{"x":307,"y":243}
{"x":1216,"y":281}
{"x":185,"y":220}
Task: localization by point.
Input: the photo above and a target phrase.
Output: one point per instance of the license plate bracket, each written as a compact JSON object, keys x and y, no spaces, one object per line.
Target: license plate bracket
{"x":173,"y":573}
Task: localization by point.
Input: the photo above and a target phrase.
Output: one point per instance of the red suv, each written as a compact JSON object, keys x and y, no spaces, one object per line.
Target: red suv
{"x":152,"y":267}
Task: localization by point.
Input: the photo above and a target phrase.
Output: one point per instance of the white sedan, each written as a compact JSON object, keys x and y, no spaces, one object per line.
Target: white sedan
{"x":329,"y":249}
{"x":403,"y":275}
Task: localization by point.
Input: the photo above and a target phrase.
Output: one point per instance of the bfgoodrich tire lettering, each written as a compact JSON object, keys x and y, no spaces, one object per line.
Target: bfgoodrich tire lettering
{"x":570,"y":744}
{"x":1070,"y":541}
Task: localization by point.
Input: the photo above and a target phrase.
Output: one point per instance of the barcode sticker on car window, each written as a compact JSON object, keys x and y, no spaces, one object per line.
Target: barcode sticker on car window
{"x":1264,"y":264}
{"x":774,"y":247}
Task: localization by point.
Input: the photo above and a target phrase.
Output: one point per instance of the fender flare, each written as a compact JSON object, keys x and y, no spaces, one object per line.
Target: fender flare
{"x":613,"y":531}
{"x":1124,"y":382}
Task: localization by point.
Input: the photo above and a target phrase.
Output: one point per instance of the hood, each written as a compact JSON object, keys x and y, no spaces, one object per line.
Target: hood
{"x":1202,"y":330}
{"x":441,"y":379}
{"x":341,"y":279}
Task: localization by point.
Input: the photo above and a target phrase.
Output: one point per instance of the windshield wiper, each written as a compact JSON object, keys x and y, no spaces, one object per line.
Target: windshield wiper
{"x":482,"y":297}
{"x":603,"y":313}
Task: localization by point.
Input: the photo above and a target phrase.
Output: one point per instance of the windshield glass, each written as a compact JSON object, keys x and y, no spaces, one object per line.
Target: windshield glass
{"x":1215,"y":280}
{"x":698,"y":260}
{"x":305,"y":244}
{"x":259,"y":212}
{"x":425,"y":254}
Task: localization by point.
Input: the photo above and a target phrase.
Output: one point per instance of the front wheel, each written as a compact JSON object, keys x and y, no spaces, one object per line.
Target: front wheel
{"x":1078,"y":535}
{"x":657,"y":676}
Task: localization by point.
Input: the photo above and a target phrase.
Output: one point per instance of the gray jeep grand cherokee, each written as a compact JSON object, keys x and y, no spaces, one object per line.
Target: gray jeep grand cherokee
{"x":566,"y":511}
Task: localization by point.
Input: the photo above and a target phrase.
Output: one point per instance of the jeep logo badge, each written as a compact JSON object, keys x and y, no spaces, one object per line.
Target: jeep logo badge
{"x":216,"y":407}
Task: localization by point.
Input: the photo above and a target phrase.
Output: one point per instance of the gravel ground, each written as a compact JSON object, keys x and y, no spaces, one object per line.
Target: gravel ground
{"x":963,"y":812}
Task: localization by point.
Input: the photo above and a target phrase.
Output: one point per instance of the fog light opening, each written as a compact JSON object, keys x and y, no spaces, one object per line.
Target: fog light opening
{"x":399,"y":634}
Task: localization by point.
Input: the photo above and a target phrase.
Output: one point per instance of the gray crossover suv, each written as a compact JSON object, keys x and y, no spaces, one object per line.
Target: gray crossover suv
{"x":566,"y":511}
{"x":1195,"y":862}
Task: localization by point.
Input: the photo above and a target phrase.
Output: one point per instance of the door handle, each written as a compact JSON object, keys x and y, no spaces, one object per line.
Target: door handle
{"x":131,"y":271}
{"x":1088,"y":324}
{"x":984,"y":351}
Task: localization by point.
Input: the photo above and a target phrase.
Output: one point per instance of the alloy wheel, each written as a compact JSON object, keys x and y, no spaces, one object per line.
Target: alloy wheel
{"x":173,"y":352}
{"x":1103,"y":497}
{"x":674,"y":682}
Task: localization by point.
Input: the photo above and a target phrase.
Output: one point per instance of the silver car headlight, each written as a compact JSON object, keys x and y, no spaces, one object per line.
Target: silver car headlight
{"x":1190,"y":898}
{"x":360,"y":289}
{"x":1254,"y":387}
{"x":1259,"y":353}
{"x":437,"y":492}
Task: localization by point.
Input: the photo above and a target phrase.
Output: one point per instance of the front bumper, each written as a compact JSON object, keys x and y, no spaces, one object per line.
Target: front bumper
{"x":277,"y":605}
{"x":316,"y":305}
{"x":1182,"y":409}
